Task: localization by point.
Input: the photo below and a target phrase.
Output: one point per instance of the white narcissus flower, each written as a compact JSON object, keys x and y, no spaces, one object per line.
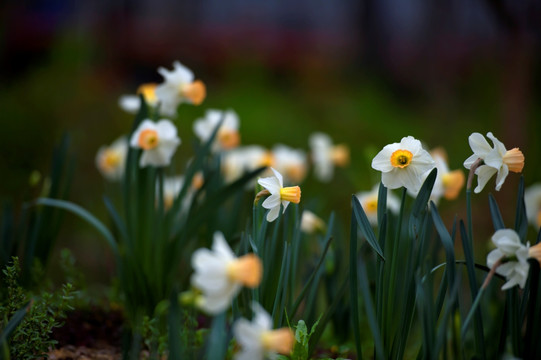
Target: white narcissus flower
{"x":243,"y":159}
{"x":496,"y":160}
{"x":310,"y":222}
{"x":158,"y":141}
{"x":132,"y":103}
{"x":179,"y":86}
{"x":369,"y":202}
{"x":448,"y":183}
{"x":257,"y":339}
{"x":111,"y":160}
{"x":228,"y":136}
{"x":532,"y":200}
{"x":290,"y":162}
{"x":325,"y":156}
{"x":403,"y":164}
{"x":172,"y":186}
{"x":278,"y":194}
{"x":515,"y":255}
{"x":219,"y":275}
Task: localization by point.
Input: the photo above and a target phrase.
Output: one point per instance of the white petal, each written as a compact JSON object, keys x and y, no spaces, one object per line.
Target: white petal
{"x":498,"y":145}
{"x":410,"y":179}
{"x":494,"y":159}
{"x":247,"y":334}
{"x":270,"y":183}
{"x":507,"y":240}
{"x":493,"y":256}
{"x":479,"y":145}
{"x":532,"y":199}
{"x":391,"y":179}
{"x":261,"y":318}
{"x":279,"y":177}
{"x":423,"y":161}
{"x":221,"y":247}
{"x":484,"y":173}
{"x":166,"y":130}
{"x":469,"y":161}
{"x":411,"y":144}
{"x":129,"y":103}
{"x":502,"y":174}
{"x":273,"y":214}
{"x":284,"y":205}
{"x":382,"y":161}
{"x":272,"y":201}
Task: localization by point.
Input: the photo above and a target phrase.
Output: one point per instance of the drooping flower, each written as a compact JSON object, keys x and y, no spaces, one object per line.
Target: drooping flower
{"x":311,"y":223}
{"x":369,"y":202}
{"x":132,"y":103}
{"x":515,"y":255}
{"x":325,"y":156}
{"x":278,"y":194}
{"x":532,"y":200}
{"x":219,"y":275}
{"x":448,"y":183}
{"x":178,"y":87}
{"x":258,"y":340}
{"x":157,"y":140}
{"x":497,"y":160}
{"x":228,"y":136}
{"x":111,"y":160}
{"x":290,"y":162}
{"x":403,"y":164}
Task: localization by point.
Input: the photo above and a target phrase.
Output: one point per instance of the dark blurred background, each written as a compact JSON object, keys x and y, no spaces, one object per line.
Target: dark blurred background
{"x":366,"y":72}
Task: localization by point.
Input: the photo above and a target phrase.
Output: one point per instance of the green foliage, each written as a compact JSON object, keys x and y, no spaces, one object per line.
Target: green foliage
{"x":302,"y":338}
{"x":31,"y":339}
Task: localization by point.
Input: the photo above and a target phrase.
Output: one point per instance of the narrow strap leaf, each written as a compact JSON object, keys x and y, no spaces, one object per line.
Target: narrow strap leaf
{"x":365,"y":227}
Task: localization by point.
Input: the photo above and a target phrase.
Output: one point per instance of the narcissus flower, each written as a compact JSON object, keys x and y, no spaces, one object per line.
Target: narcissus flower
{"x":311,"y":223}
{"x":532,"y":199}
{"x":238,"y":161}
{"x":111,"y":160}
{"x":369,"y":202}
{"x":157,"y":140}
{"x":448,"y":183}
{"x":219,"y":275}
{"x":496,"y":159}
{"x":132,"y":103}
{"x":515,"y":255}
{"x":258,"y":340}
{"x":290,"y":162}
{"x":179,"y":86}
{"x":325,"y":156}
{"x":228,"y":136}
{"x":278,"y":194}
{"x":403,"y":164}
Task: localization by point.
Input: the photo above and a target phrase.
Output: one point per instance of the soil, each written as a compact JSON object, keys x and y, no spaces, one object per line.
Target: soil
{"x":89,"y":334}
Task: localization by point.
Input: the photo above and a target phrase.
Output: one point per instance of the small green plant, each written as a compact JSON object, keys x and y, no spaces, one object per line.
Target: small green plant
{"x":31,"y":339}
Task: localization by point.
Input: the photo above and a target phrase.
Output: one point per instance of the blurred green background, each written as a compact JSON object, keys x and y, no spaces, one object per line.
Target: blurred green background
{"x":368,"y":73}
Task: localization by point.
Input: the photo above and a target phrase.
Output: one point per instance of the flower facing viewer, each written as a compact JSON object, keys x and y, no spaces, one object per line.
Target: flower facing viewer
{"x":179,"y":86}
{"x":403,"y":164}
{"x":228,"y":136}
{"x":111,"y":160}
{"x":278,"y":194}
{"x":514,"y":255}
{"x":157,"y":140}
{"x":497,"y":160}
{"x":258,"y":340}
{"x":219,"y":275}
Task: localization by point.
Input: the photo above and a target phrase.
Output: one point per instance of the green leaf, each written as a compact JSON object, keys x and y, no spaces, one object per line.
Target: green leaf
{"x":217,"y":341}
{"x":14,"y":322}
{"x":365,"y":227}
{"x":447,"y":244}
{"x":85,"y":215}
{"x":353,"y":281}
{"x":521,"y":220}
{"x":497,"y":220}
{"x":173,"y":319}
